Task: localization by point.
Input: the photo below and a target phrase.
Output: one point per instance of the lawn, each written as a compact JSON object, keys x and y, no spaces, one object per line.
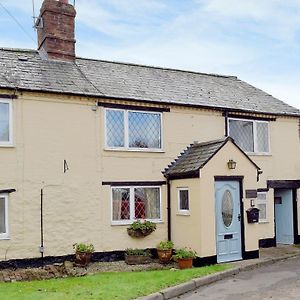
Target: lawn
{"x":122,"y":285}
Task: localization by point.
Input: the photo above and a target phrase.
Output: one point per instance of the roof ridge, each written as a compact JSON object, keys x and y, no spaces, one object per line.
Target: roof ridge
{"x":18,"y":50}
{"x":221,"y":140}
{"x":157,"y":67}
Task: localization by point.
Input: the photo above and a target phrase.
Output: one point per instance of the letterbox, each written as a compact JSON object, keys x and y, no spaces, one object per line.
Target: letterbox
{"x":253,"y":215}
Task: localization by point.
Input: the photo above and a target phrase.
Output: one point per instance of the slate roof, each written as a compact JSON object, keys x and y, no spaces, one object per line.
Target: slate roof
{"x":26,"y":70}
{"x":195,"y":157}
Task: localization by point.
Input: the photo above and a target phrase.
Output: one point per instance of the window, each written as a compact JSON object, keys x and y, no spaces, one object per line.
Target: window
{"x":3,"y":216}
{"x":5,"y":122}
{"x":127,"y":129}
{"x":251,"y":135}
{"x":261,"y":204}
{"x":131,"y":203}
{"x":183,"y":200}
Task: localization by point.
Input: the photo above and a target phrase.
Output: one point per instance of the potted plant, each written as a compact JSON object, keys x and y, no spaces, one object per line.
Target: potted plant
{"x":137,"y":256}
{"x":184,"y":257}
{"x":83,"y":253}
{"x":164,"y":251}
{"x":141,"y":228}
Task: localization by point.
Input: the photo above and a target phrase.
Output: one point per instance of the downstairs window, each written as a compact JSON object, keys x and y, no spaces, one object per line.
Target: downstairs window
{"x":134,"y":202}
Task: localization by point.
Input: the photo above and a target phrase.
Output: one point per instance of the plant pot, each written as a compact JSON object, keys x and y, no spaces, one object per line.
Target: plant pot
{"x":164,"y":255}
{"x":137,"y":259}
{"x":82,"y":258}
{"x":185,"y":263}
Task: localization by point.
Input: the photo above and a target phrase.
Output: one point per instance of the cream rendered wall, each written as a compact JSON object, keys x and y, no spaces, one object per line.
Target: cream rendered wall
{"x":51,"y":128}
{"x":77,"y":208}
{"x":186,"y":231}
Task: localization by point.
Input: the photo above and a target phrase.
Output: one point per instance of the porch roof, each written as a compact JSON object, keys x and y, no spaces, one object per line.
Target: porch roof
{"x":195,"y":157}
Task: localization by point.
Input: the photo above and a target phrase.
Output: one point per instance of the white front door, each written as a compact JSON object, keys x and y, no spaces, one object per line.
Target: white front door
{"x":228,"y":221}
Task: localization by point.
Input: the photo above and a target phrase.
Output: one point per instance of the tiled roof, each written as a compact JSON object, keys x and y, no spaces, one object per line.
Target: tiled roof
{"x":195,"y":158}
{"x":25,"y":69}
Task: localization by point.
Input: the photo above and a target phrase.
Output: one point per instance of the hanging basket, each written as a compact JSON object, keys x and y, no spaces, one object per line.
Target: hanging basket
{"x":138,"y":233}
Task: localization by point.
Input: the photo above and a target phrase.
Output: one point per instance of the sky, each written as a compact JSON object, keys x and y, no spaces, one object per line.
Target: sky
{"x":256,"y":40}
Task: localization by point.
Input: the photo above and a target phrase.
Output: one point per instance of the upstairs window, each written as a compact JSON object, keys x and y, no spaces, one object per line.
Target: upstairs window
{"x":251,"y":135}
{"x":3,"y":216}
{"x":126,"y":129}
{"x":131,"y":203}
{"x":5,"y":122}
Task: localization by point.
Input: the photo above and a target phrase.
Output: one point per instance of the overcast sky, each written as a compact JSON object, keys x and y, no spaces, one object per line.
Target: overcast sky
{"x":256,"y":40}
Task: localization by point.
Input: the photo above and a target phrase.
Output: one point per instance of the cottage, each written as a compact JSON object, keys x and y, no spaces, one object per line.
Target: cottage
{"x":88,"y":146}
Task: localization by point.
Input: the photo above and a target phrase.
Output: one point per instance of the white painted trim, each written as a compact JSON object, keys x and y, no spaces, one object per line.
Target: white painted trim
{"x":132,"y":206}
{"x":183,"y":211}
{"x":126,"y":132}
{"x":254,"y":122}
{"x":5,"y":236}
{"x":8,"y":143}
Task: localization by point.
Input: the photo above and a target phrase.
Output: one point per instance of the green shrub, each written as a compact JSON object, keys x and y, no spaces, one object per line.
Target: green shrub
{"x":184,"y":253}
{"x":140,"y":252}
{"x":143,"y":226}
{"x":165,"y":245}
{"x":81,"y":247}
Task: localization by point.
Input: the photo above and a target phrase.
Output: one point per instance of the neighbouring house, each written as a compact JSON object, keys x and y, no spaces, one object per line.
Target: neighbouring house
{"x":88,"y":146}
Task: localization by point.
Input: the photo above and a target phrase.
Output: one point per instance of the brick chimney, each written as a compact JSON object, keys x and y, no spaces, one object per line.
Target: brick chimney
{"x":56,"y":30}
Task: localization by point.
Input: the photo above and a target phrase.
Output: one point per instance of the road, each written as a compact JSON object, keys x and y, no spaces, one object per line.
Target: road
{"x":277,"y":282}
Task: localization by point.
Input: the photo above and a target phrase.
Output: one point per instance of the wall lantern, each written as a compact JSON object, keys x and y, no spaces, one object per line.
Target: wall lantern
{"x":231,"y":164}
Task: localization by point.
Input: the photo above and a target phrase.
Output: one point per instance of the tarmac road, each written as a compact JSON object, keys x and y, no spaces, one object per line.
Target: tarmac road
{"x":278,"y":281}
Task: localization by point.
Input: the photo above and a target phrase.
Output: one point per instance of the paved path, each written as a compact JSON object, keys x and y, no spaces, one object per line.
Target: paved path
{"x":277,"y":282}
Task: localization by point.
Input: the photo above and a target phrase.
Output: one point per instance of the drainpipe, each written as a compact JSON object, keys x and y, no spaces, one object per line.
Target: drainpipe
{"x":169,"y":209}
{"x":42,"y":229}
{"x":226,"y":123}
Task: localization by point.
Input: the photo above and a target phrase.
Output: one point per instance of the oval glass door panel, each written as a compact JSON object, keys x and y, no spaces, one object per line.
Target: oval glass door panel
{"x":227,"y":208}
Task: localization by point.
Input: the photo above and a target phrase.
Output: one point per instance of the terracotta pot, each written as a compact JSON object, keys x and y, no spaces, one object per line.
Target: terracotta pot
{"x":82,"y":258}
{"x":137,"y":259}
{"x":164,"y":255}
{"x":185,"y":263}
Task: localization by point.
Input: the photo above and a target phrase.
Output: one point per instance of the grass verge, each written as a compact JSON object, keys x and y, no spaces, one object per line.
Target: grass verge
{"x":121,"y":285}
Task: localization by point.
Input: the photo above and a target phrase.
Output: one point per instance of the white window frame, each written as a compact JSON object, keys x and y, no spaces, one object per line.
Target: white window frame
{"x":126,"y":131}
{"x":255,"y":143}
{"x":5,"y":236}
{"x":264,"y":202}
{"x":8,"y":143}
{"x":183,"y":211}
{"x":132,"y":205}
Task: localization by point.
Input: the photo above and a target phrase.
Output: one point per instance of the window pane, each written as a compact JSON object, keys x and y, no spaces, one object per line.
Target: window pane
{"x":147,"y":203}
{"x":121,"y":204}
{"x":262,"y":211}
{"x":262,"y":137}
{"x":242,"y":133}
{"x":4,"y":122}
{"x":2,"y":216}
{"x":184,"y":199}
{"x":144,"y":130}
{"x":114,"y":128}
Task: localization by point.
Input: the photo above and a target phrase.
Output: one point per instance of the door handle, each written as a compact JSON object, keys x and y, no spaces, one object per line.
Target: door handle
{"x":239,"y":217}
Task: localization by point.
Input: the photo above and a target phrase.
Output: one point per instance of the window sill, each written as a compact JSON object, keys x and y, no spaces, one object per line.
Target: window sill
{"x":258,"y":154}
{"x":126,"y":223}
{"x":7,"y":145}
{"x":263,"y":222}
{"x":183,"y":213}
{"x":135,"y":150}
{"x":4,"y":238}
